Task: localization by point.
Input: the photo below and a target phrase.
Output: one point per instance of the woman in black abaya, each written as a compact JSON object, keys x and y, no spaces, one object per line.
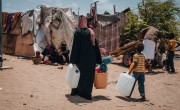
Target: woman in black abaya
{"x":85,"y":54}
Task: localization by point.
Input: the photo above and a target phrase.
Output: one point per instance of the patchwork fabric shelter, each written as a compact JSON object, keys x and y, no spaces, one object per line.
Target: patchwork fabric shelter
{"x":30,"y":31}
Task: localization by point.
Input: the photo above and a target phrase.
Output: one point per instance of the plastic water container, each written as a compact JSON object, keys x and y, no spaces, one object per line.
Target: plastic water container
{"x":107,"y":60}
{"x":125,"y":84}
{"x":149,"y":49}
{"x":46,"y":58}
{"x":72,"y":76}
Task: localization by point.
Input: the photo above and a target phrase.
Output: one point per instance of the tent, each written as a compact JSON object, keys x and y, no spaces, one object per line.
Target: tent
{"x":37,"y":28}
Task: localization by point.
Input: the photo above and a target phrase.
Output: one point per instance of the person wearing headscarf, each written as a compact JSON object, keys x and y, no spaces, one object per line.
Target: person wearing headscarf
{"x":50,"y":52}
{"x":85,"y":54}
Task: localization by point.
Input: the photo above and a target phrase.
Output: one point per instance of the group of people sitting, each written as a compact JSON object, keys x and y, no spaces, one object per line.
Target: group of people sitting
{"x":53,"y":56}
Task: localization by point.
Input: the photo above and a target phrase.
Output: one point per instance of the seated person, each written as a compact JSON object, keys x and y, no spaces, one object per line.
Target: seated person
{"x":50,"y":52}
{"x":38,"y":58}
{"x":63,"y":54}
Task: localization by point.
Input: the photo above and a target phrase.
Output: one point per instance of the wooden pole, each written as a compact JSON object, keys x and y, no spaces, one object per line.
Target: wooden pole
{"x":114,"y":8}
{"x":78,"y":11}
{"x":0,"y":32}
{"x":95,"y":4}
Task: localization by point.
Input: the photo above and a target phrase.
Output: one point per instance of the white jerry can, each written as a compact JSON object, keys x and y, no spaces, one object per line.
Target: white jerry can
{"x":125,"y":84}
{"x":73,"y":75}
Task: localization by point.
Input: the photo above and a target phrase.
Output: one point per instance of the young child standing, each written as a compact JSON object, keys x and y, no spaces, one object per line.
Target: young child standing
{"x":171,"y":50}
{"x":138,"y":69}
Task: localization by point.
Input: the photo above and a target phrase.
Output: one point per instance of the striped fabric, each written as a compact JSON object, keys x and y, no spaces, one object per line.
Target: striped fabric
{"x":140,"y":59}
{"x":108,"y":36}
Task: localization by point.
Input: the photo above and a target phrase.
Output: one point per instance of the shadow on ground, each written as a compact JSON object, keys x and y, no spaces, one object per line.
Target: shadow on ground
{"x":78,"y":100}
{"x":155,"y":72}
{"x":130,"y":99}
{"x":119,"y":64}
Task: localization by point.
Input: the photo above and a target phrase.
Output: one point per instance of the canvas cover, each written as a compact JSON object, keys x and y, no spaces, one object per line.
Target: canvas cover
{"x":24,"y":46}
{"x":40,"y":38}
{"x":8,"y":43}
{"x":150,"y":33}
{"x":59,"y":26}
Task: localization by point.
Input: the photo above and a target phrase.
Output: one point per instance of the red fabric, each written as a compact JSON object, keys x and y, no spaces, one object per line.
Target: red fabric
{"x":98,"y":70}
{"x":47,"y":62}
{"x":82,"y":22}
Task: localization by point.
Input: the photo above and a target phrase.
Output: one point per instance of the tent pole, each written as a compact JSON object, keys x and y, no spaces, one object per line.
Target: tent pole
{"x":1,"y":33}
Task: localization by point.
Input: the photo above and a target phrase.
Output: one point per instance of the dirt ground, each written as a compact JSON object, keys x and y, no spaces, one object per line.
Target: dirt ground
{"x":43,"y":87}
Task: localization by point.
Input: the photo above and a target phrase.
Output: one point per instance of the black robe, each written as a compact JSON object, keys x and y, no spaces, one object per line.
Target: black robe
{"x":85,"y":56}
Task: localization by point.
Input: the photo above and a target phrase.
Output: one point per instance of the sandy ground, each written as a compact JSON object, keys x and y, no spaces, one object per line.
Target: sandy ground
{"x":43,"y":87}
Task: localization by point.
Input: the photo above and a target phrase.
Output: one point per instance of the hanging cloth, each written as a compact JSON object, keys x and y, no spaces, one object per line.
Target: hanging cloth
{"x":9,"y":22}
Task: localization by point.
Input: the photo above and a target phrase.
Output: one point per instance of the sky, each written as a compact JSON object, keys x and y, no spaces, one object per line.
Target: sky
{"x":83,"y":5}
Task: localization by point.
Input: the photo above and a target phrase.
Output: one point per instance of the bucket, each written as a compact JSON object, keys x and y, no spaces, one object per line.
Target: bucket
{"x":100,"y":80}
{"x":125,"y":84}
